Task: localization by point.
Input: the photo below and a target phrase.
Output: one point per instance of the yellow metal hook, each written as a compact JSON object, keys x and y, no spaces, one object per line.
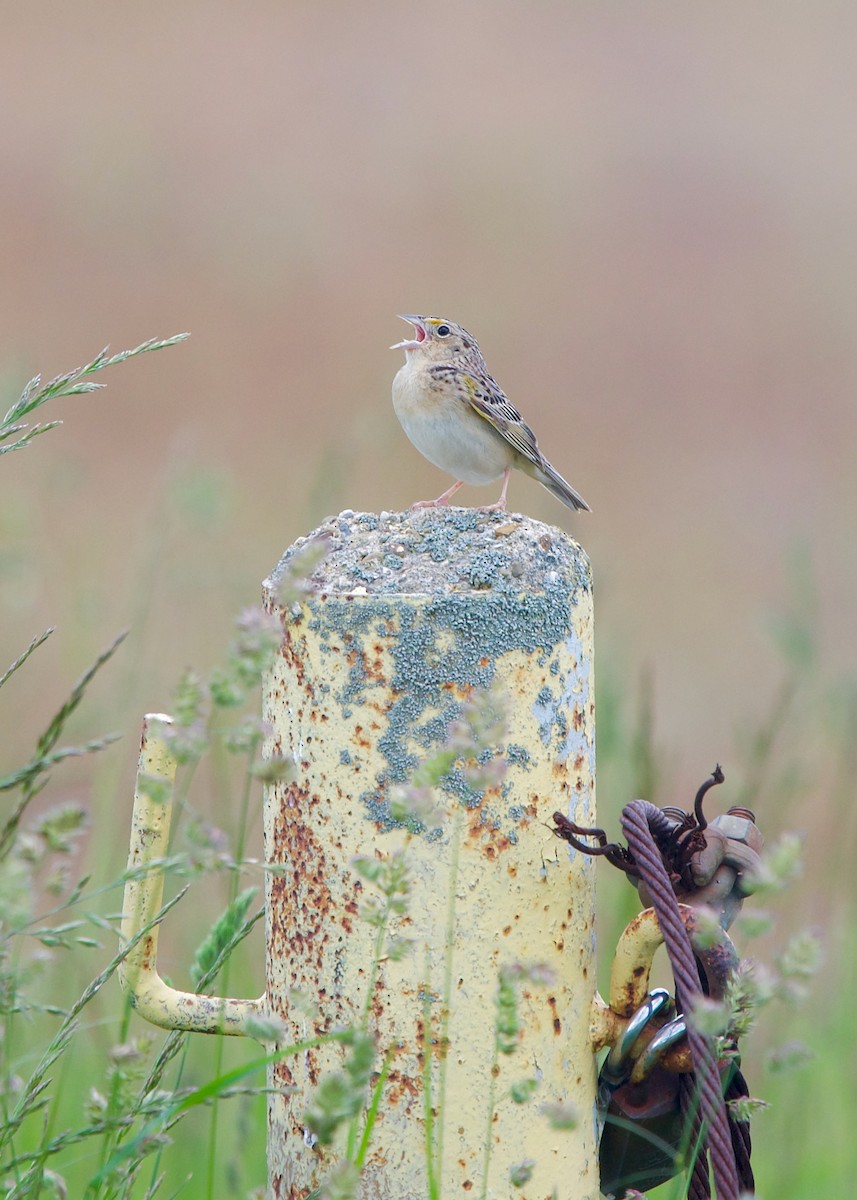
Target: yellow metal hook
{"x":144,"y":889}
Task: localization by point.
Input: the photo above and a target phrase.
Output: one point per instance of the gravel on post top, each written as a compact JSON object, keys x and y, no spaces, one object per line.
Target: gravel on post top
{"x":427,"y":551}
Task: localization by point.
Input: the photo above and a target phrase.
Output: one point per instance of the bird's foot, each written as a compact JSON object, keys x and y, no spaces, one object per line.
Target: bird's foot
{"x":499,"y":505}
{"x":441,"y":500}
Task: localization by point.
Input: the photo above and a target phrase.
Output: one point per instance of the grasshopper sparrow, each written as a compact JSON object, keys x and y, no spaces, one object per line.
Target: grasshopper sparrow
{"x":459,"y":418}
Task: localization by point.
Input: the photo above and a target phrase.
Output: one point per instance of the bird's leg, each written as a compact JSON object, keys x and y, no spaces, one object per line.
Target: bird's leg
{"x":444,"y":499}
{"x":501,"y":503}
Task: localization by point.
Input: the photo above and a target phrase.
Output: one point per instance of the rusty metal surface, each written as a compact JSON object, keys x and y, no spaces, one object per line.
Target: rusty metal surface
{"x":413,"y":615}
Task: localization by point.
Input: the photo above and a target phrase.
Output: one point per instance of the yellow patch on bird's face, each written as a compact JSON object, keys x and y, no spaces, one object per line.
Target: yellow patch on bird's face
{"x":448,"y":341}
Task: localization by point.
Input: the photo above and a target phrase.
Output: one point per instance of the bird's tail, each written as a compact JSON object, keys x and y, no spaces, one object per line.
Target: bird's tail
{"x":555,"y":483}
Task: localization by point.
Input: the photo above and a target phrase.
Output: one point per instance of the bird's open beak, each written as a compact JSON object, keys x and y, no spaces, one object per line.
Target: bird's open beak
{"x":412,"y":343}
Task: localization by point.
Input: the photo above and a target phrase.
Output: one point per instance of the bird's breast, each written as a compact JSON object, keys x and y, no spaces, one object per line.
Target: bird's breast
{"x":444,"y":427}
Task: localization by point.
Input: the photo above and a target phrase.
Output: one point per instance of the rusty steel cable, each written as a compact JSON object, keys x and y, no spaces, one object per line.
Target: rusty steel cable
{"x":699,"y":1183}
{"x":641,"y":822}
{"x":741,"y":1143}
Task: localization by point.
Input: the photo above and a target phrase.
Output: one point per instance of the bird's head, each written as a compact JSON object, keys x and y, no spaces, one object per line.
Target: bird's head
{"x":437,"y":339}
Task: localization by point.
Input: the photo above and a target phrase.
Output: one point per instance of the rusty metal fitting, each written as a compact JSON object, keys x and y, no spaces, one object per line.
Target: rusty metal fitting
{"x":668,"y":1036}
{"x":741,"y":830}
{"x":615,"y":1067}
{"x":721,"y":871}
{"x":629,"y":982}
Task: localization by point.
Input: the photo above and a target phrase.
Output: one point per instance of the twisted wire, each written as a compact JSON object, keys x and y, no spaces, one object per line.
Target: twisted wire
{"x":741,"y":1134}
{"x":639,"y":820}
{"x":699,"y":1183}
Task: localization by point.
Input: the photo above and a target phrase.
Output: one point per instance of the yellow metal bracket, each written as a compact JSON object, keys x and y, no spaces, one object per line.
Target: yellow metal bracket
{"x":144,"y":888}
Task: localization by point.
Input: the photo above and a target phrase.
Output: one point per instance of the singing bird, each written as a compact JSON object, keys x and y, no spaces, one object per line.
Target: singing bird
{"x":459,"y":417}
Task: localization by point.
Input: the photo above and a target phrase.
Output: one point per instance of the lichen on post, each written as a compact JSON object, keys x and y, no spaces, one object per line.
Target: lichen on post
{"x":408,"y":621}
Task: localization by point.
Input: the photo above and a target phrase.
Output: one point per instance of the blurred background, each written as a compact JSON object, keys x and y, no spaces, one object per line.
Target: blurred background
{"x":646,"y":216}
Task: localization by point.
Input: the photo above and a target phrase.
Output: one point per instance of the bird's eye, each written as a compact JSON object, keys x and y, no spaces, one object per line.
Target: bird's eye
{"x":443,"y":331}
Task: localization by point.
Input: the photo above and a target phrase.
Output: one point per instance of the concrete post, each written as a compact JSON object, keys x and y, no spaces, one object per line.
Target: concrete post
{"x":413,"y":616}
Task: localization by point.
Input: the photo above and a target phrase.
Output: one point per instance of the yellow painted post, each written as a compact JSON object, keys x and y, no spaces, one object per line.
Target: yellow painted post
{"x":412,"y":616}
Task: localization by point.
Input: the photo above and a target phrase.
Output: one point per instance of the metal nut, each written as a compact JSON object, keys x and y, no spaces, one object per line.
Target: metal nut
{"x":740,"y":829}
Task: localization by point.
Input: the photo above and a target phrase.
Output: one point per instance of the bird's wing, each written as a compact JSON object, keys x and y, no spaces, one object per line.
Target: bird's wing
{"x":489,"y":400}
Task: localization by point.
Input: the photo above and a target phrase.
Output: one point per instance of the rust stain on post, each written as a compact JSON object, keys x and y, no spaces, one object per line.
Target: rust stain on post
{"x":413,"y":615}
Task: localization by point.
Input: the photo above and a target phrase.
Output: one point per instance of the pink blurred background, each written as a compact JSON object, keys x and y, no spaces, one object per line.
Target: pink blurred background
{"x":646,"y":215}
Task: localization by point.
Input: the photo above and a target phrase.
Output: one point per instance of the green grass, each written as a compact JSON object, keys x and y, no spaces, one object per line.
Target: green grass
{"x":66,"y":795}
